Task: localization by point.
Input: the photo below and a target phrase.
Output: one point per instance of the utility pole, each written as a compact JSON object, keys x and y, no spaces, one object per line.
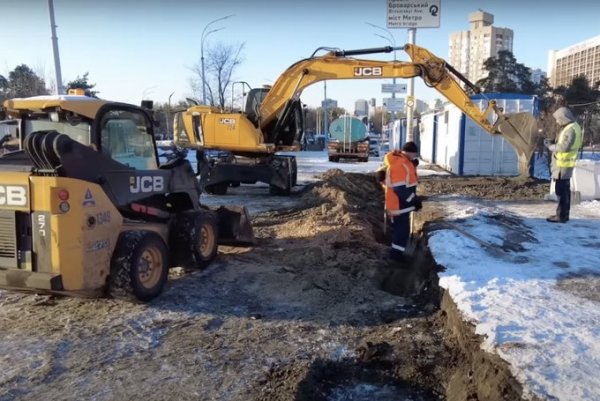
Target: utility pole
{"x":203,"y":36}
{"x":412,"y":33}
{"x":59,"y":86}
{"x":325,"y":114}
{"x":169,"y":122}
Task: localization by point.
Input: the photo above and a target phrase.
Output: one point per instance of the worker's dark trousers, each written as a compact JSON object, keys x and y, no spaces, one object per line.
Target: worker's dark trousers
{"x":400,"y":235}
{"x":562,"y":189}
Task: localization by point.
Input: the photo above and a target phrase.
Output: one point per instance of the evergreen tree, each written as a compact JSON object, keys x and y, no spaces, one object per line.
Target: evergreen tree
{"x":506,"y":75}
{"x":83,"y":83}
{"x":23,"y":82}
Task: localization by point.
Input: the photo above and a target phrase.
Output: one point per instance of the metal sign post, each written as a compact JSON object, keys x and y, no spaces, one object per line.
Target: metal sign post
{"x":412,"y":14}
{"x":393,"y":88}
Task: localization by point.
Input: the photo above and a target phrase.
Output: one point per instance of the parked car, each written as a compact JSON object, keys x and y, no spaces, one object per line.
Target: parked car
{"x":374,"y":147}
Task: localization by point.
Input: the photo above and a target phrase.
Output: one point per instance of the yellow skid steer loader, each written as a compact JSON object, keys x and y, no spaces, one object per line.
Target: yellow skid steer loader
{"x":86,"y":208}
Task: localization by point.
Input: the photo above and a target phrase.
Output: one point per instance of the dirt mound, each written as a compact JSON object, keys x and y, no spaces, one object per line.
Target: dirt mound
{"x":343,"y":210}
{"x":498,"y":188}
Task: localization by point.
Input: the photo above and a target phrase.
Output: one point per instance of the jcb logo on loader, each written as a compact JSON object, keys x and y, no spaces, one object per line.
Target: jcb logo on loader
{"x":146,"y":184}
{"x":13,"y":195}
{"x":368,"y":71}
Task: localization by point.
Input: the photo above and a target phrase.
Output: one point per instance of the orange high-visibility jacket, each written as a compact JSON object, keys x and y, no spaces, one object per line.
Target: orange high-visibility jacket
{"x":400,"y":172}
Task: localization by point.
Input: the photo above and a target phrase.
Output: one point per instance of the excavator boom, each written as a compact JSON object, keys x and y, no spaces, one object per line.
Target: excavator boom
{"x":434,"y":71}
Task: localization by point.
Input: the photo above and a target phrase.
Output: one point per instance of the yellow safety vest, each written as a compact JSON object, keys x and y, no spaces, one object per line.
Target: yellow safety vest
{"x":567,"y":159}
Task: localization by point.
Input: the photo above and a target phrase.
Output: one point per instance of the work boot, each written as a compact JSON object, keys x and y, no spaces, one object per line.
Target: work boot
{"x":556,"y":219}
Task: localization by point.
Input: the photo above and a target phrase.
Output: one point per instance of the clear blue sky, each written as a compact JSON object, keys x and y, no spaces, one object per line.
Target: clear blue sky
{"x":146,"y":48}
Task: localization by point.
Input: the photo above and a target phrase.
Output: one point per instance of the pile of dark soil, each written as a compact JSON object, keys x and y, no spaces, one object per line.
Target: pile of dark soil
{"x":495,"y":188}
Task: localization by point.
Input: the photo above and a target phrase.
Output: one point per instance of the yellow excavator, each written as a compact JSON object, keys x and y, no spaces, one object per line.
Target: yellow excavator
{"x":273,"y":120}
{"x":86,"y":208}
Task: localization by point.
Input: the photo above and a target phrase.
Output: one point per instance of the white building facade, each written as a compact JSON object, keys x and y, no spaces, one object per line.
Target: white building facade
{"x":580,"y":59}
{"x":470,"y":49}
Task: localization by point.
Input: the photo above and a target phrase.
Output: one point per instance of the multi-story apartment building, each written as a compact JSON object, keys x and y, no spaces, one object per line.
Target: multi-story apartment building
{"x":469,"y":49}
{"x":537,"y":75}
{"x":580,"y":59}
{"x":361,"y":107}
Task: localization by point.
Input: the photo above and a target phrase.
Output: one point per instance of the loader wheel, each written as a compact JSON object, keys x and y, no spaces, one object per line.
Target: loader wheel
{"x":204,"y":238}
{"x":139,"y":266}
{"x":195,"y":240}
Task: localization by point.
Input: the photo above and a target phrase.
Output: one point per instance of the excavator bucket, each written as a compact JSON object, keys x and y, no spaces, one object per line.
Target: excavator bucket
{"x":521,"y":130}
{"x":234,"y":226}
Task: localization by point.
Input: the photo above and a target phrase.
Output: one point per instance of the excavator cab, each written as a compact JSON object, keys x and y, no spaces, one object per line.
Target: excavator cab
{"x":253,"y":101}
{"x":286,"y":130}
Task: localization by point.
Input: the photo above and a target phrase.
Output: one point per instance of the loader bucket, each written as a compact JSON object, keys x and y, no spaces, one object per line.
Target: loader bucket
{"x":234,"y":226}
{"x":521,"y":130}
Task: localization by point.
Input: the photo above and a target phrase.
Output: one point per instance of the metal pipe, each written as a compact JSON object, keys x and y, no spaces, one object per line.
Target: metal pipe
{"x":59,"y":86}
{"x":412,"y":33}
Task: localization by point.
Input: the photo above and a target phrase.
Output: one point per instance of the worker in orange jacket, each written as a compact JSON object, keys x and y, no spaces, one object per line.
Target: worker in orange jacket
{"x":399,"y":178}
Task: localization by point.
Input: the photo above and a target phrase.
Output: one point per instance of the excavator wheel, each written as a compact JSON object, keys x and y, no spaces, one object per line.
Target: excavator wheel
{"x":275,"y":190}
{"x":217,"y":189}
{"x":196,"y":238}
{"x":139,"y":266}
{"x":294,"y":172}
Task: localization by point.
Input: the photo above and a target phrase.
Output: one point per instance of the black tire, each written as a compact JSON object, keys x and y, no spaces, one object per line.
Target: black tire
{"x":294,"y":172}
{"x":139,"y":266}
{"x":275,"y":190}
{"x":204,"y":238}
{"x":217,"y":189}
{"x":195,"y":239}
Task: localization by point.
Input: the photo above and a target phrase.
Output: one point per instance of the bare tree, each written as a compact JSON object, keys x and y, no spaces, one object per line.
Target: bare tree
{"x":220,"y":64}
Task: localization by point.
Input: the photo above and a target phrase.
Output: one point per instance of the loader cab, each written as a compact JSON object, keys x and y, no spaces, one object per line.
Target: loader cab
{"x":125,"y":135}
{"x":120,"y":131}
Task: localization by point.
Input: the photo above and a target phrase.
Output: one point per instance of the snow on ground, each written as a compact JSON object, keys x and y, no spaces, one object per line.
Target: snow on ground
{"x":512,"y":282}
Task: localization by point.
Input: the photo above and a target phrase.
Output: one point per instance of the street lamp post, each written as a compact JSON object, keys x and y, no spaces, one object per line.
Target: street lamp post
{"x":169,"y":133}
{"x":392,"y":41}
{"x":60,"y":90}
{"x":204,"y":35}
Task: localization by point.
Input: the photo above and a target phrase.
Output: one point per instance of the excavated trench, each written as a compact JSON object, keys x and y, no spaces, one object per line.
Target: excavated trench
{"x":425,"y":353}
{"x":428,"y":354}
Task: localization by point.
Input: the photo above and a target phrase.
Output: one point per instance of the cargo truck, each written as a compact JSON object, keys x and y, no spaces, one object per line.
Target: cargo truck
{"x":348,"y":140}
